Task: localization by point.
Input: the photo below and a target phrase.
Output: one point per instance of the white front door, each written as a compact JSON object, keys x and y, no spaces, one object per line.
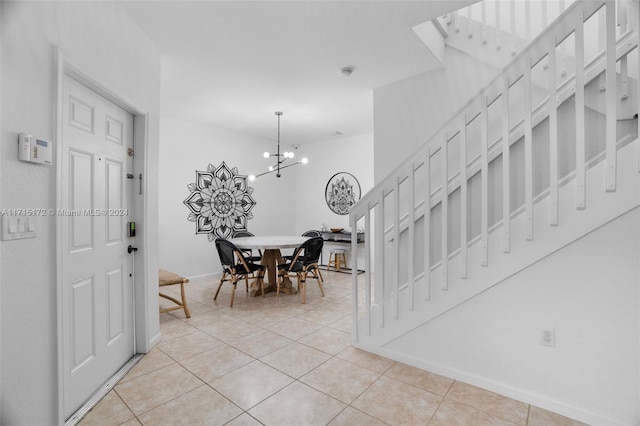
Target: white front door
{"x":97,"y":294}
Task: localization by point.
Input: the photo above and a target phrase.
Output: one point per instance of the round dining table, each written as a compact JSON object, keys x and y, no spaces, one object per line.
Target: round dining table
{"x":271,"y":256}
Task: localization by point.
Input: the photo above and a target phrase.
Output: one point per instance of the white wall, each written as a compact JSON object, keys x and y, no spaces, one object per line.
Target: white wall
{"x":588,"y":294}
{"x":101,"y":40}
{"x":408,"y":112}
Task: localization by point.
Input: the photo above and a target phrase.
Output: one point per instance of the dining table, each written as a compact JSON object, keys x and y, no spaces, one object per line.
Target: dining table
{"x":270,"y":246}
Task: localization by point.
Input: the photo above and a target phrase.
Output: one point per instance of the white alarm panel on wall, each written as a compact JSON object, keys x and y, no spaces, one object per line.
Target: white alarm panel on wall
{"x":34,"y":150}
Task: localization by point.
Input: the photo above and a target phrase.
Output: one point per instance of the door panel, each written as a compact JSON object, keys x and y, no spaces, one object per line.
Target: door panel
{"x":80,"y":199}
{"x":116,"y":293}
{"x":83,"y":324}
{"x":81,"y":115}
{"x":114,"y":130}
{"x":97,"y":294}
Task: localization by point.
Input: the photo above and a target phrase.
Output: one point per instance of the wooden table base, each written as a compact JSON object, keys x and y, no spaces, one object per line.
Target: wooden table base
{"x":271,"y":259}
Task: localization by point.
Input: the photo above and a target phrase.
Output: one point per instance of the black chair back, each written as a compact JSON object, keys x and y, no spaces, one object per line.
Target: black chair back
{"x":226,"y":252}
{"x":242,"y":233}
{"x":312,"y":233}
{"x":312,"y":249}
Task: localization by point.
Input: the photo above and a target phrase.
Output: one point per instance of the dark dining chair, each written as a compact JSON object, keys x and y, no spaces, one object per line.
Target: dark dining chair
{"x":315,"y":233}
{"x":304,"y":261}
{"x":249,"y":253}
{"x":236,"y":267}
{"x":311,"y":233}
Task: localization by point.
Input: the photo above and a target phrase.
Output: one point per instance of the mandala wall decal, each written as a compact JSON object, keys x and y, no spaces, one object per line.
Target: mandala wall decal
{"x":220,"y":202}
{"x":342,"y":192}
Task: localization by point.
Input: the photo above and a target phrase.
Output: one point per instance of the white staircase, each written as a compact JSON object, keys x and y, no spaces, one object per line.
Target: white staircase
{"x":540,"y":158}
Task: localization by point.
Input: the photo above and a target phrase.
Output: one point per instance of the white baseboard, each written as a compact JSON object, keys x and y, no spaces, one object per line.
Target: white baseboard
{"x":155,"y":340}
{"x":208,"y":275}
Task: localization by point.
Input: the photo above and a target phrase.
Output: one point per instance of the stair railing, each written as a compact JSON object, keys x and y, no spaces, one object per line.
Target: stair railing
{"x":511,"y":19}
{"x":419,"y":191}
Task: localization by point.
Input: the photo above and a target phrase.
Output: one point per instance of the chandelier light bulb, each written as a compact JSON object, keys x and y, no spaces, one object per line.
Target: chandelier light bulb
{"x":291,"y":155}
{"x":266,"y":154}
{"x":304,"y":160}
{"x":252,"y":178}
{"x":270,"y":168}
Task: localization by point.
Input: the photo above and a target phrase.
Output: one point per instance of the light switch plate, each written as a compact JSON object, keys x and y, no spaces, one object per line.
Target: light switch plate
{"x":18,"y":227}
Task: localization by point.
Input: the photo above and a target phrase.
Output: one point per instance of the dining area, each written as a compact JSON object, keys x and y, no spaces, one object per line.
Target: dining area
{"x":260,"y":263}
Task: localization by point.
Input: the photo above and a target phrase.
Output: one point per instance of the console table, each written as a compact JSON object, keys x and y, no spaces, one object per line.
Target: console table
{"x":341,"y":237}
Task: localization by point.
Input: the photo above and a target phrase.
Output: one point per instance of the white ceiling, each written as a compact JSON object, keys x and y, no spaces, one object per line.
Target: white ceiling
{"x":232,"y":64}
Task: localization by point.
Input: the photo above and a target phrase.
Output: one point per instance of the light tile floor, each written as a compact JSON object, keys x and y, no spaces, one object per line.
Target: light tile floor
{"x":275,"y":361}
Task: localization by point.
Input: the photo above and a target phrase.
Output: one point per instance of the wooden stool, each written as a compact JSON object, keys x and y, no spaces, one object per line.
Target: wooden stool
{"x":169,"y":278}
{"x":337,"y":257}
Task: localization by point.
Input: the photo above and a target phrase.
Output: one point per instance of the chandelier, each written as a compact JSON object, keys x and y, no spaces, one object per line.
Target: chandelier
{"x":280,"y":158}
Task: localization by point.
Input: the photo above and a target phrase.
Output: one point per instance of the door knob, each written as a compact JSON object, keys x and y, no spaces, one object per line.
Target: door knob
{"x":131,"y":249}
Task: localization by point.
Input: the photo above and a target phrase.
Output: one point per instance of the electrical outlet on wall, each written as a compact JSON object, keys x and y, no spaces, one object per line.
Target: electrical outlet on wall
{"x":548,"y":337}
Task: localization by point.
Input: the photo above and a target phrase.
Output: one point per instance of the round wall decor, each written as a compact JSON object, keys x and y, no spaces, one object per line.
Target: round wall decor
{"x":342,"y":192}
